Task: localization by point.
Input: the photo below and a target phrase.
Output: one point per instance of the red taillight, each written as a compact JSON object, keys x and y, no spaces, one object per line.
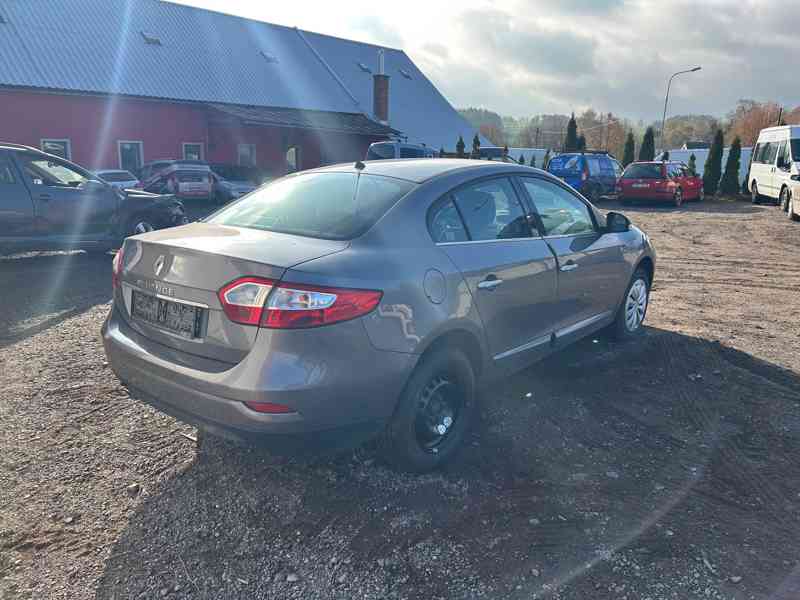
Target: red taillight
{"x":256,"y":301}
{"x":268,"y":407}
{"x":116,"y":268}
{"x":243,"y":300}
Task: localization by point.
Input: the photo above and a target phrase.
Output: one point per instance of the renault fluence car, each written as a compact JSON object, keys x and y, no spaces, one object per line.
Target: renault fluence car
{"x":367,"y":300}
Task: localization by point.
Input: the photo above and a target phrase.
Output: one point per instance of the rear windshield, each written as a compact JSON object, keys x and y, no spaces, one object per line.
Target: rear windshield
{"x":380,"y":151}
{"x":114,"y":176}
{"x":565,"y":164}
{"x":643,"y":171}
{"x":331,"y":206}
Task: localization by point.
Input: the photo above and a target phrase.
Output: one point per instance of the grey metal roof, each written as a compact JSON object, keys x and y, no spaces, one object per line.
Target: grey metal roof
{"x":157,"y":49}
{"x":305,"y":119}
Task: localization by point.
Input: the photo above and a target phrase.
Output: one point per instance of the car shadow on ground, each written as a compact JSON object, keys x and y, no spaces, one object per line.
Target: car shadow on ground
{"x":665,"y":466}
{"x":44,"y":289}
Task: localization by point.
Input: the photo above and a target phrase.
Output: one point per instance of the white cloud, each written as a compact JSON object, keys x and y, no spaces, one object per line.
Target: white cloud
{"x":527,"y":56}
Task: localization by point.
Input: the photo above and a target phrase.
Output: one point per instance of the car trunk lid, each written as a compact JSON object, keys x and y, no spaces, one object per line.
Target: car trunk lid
{"x":170,"y":279}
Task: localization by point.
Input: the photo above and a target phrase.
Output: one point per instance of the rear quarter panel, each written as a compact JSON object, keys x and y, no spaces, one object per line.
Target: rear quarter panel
{"x":424,"y":294}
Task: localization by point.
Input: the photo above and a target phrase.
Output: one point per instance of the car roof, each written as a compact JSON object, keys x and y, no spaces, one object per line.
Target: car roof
{"x":419,"y":170}
{"x":113,"y":171}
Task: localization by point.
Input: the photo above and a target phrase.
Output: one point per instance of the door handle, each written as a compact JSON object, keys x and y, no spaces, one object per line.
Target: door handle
{"x":45,"y":197}
{"x":569,"y":266}
{"x":489,"y":283}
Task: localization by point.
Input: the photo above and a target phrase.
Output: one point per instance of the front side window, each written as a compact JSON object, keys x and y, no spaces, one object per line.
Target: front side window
{"x":60,"y":148}
{"x":43,"y":171}
{"x":445,"y":223}
{"x":333,"y":206}
{"x":246,"y":155}
{"x":491,"y":210}
{"x":561,"y":212}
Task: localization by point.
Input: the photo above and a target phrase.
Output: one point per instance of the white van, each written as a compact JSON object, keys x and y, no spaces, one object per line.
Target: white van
{"x":383,"y":150}
{"x":775,"y":165}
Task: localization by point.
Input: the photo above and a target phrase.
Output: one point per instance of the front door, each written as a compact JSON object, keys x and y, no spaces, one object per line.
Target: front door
{"x":70,"y":203}
{"x":510,"y":271}
{"x":16,"y":206}
{"x":591,"y":264}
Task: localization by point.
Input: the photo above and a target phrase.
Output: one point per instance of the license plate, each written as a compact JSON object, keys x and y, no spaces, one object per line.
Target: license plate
{"x":640,"y":185}
{"x":176,"y":317}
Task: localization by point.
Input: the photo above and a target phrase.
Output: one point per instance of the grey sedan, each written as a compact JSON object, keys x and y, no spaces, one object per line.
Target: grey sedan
{"x":368,"y":300}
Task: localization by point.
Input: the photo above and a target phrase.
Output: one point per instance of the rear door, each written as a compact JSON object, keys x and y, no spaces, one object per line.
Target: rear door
{"x":16,"y":206}
{"x":485,"y":230}
{"x":592,"y":271}
{"x":69,"y":202}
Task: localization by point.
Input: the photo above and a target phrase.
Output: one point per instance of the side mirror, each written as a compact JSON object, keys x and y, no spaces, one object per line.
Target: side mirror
{"x":617,"y":223}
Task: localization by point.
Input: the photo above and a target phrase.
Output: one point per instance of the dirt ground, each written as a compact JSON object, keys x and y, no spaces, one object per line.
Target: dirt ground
{"x":664,"y":468}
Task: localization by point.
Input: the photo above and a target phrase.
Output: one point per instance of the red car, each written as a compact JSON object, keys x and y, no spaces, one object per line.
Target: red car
{"x":672,"y":181}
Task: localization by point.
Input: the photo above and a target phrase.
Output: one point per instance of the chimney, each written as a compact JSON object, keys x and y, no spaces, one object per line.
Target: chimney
{"x":380,"y":92}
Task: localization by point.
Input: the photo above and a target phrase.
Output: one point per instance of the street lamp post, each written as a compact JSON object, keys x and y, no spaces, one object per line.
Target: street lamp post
{"x":666,"y":99}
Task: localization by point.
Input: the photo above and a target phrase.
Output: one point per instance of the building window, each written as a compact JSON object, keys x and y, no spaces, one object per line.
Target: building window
{"x":130,"y":155}
{"x":192,"y":151}
{"x":59,"y":147}
{"x":247,"y":155}
{"x":293,"y":159}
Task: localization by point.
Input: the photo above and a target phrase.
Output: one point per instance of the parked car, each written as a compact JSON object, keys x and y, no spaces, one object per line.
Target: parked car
{"x":793,"y":208}
{"x":351,"y":301}
{"x":231,"y":182}
{"x":118,"y":178}
{"x":51,"y":203}
{"x":384,"y":150}
{"x":775,"y":164}
{"x":593,"y":173}
{"x":668,"y":180}
{"x":186,"y":179}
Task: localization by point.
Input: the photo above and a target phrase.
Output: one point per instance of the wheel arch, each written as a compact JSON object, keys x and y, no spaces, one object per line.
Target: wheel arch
{"x":462,"y":338}
{"x":648,"y":265}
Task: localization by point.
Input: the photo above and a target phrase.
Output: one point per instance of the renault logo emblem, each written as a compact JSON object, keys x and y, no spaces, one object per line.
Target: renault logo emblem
{"x":158,"y":265}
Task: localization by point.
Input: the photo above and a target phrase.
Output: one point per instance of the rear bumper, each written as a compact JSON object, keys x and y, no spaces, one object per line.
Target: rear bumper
{"x":334,"y":394}
{"x":645,"y":194}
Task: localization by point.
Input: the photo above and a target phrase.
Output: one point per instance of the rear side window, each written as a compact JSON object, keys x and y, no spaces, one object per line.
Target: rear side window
{"x":643,"y":171}
{"x":594,"y":166}
{"x":332,"y":206}
{"x":445,"y":224}
{"x":491,"y":210}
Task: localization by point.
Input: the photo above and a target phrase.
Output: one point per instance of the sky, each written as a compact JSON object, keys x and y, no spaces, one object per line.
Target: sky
{"x":526,"y":57}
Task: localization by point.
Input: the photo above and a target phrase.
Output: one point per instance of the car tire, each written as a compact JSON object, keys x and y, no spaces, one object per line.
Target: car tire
{"x":139,"y":224}
{"x":755,"y":197}
{"x":433,"y":414}
{"x":783,"y":199}
{"x":625,"y":326}
{"x":677,"y":198}
{"x":791,"y":209}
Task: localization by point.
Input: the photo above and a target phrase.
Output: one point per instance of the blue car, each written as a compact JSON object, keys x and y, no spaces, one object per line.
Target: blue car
{"x":593,"y":174}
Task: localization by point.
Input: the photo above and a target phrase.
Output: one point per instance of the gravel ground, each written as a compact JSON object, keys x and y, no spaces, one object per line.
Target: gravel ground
{"x":664,"y":468}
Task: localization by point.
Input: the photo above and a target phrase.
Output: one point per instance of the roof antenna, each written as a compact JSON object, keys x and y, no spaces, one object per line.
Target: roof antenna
{"x":360,"y":165}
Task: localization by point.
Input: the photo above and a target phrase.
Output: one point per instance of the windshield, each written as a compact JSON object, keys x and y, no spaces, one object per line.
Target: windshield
{"x":568,"y":163}
{"x":643,"y":171}
{"x":334,"y":206}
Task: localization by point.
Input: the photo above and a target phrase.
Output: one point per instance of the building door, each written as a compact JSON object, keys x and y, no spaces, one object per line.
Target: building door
{"x":293,"y":159}
{"x":130,"y":156}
